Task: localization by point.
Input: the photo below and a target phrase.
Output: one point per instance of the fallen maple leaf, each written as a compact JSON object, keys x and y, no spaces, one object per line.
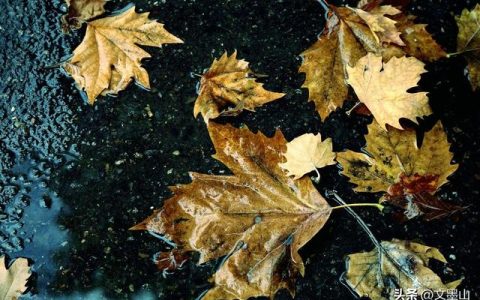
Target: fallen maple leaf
{"x":383,"y":28}
{"x":230,"y":81}
{"x":396,"y":265}
{"x":347,"y":38}
{"x":257,"y":218}
{"x":307,"y":153}
{"x":468,"y":42}
{"x":108,"y":58}
{"x":418,"y":42}
{"x":14,"y":279}
{"x":80,"y":11}
{"x":325,"y":61}
{"x":382,"y":87}
{"x":393,"y":163}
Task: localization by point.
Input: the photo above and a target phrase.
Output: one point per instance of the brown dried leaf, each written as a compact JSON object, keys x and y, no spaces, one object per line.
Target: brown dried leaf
{"x":257,"y":218}
{"x":230,"y":81}
{"x":419,"y":42}
{"x":370,"y":78}
{"x":468,"y":42}
{"x":13,"y":280}
{"x":108,"y":58}
{"x":414,"y":184}
{"x":325,"y":61}
{"x":383,"y":28}
{"x":396,"y":265}
{"x":346,"y":39}
{"x":80,"y":11}
{"x":394,"y":154}
{"x":415,"y":195}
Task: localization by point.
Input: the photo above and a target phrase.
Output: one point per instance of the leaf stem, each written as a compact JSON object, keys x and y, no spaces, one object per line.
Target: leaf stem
{"x":349,"y":112}
{"x":381,"y":250}
{"x":316,"y":179}
{"x":362,"y":224}
{"x":461,"y":52}
{"x":379,"y":206}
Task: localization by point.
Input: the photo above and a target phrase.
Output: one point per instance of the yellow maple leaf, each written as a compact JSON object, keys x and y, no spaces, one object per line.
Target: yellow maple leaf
{"x":257,"y":219}
{"x":383,"y":28}
{"x":382,"y":87}
{"x":408,"y":175}
{"x":404,"y":263}
{"x":14,"y":279}
{"x":344,"y":41}
{"x":230,"y":81}
{"x":389,"y":154}
{"x":307,"y":153}
{"x":80,"y":11}
{"x":468,"y":42}
{"x":108,"y":58}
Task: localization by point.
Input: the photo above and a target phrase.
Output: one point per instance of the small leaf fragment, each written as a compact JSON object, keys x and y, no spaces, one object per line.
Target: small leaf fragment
{"x":382,"y":87}
{"x":396,"y":265}
{"x":228,"y":82}
{"x":13,"y":280}
{"x":108,"y":58}
{"x":80,"y":11}
{"x":257,"y":219}
{"x":307,"y":153}
{"x":468,"y":42}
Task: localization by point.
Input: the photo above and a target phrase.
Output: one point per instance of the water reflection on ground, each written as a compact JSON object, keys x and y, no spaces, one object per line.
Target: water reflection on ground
{"x":39,"y":236}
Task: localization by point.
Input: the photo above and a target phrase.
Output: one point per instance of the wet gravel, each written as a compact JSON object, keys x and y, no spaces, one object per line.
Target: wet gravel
{"x":74,"y":178}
